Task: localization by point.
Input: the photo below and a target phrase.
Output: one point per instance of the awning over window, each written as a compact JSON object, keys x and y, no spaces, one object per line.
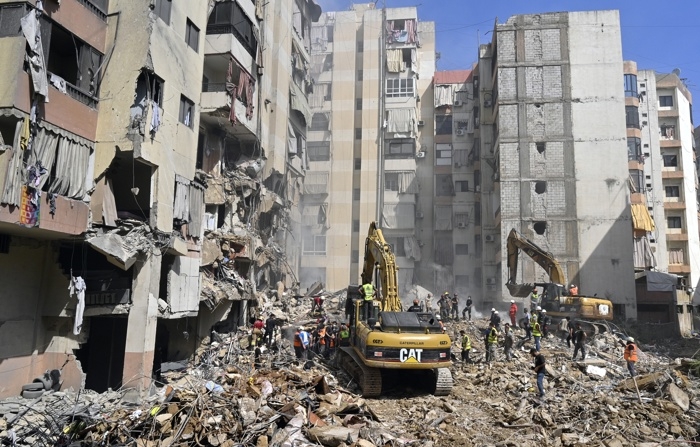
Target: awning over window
{"x":401,"y":121}
{"x":394,"y":61}
{"x":641,"y":219}
{"x":444,"y":95}
{"x":643,"y":255}
{"x":316,"y":182}
{"x":299,"y":102}
{"x":408,"y":184}
{"x":398,"y":215}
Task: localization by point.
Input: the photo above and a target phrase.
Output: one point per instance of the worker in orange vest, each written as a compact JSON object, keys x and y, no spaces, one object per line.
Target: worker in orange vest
{"x":630,"y":356}
{"x":513,"y":312}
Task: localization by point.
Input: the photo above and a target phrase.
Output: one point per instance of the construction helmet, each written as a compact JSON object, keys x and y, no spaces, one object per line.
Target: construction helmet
{"x":496,"y":312}
{"x":539,"y":307}
{"x":630,"y":339}
{"x":438,"y":317}
{"x":493,"y":310}
{"x":572,"y":285}
{"x":512,"y":301}
{"x":544,"y":311}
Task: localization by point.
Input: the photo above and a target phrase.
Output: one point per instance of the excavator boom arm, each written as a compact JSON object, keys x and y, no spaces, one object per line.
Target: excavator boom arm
{"x":378,"y":255}
{"x":543,"y":258}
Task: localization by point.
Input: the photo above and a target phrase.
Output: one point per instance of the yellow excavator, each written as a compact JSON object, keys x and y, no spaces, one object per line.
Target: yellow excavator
{"x":386,"y":343}
{"x":591,"y":312}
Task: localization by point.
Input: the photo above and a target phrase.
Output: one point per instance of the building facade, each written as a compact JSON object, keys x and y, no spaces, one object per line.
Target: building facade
{"x":545,"y":128}
{"x":371,"y":154}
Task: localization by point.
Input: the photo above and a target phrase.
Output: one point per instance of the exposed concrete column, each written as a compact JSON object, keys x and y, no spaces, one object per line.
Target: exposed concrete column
{"x":143,"y":319}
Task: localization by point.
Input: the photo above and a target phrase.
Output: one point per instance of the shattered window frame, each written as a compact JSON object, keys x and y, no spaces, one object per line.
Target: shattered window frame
{"x":186,"y":111}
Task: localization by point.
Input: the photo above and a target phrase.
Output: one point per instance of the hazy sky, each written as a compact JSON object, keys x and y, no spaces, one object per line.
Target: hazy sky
{"x":657,"y":35}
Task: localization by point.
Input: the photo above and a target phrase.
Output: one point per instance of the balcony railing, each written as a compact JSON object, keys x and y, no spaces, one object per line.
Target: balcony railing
{"x":81,"y":96}
{"x":213,"y":87}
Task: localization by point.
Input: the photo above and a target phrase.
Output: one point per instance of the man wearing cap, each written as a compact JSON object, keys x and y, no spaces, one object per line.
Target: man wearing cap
{"x":466,"y":346}
{"x":491,"y":342}
{"x":496,"y":319}
{"x":630,"y":356}
{"x":546,"y":321}
{"x":539,"y":368}
{"x":468,"y":309}
{"x":454,"y":307}
{"x":513,"y":312}
{"x":573,"y":290}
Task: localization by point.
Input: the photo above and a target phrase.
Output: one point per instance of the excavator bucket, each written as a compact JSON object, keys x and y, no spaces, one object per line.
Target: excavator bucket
{"x":520,"y":290}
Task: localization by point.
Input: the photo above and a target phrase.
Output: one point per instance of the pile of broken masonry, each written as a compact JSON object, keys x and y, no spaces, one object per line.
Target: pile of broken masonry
{"x":225,"y":396}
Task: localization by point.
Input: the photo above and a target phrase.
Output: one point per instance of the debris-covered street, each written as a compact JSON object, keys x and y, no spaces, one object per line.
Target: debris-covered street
{"x":231,"y":394}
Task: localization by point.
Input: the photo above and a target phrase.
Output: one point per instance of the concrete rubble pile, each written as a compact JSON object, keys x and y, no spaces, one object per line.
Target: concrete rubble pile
{"x":230,"y":393}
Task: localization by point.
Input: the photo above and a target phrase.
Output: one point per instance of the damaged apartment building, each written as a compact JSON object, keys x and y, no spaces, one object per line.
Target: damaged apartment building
{"x":142,"y":144}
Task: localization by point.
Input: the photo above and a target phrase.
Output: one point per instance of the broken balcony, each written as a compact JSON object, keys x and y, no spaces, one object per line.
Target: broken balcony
{"x":220,"y":92}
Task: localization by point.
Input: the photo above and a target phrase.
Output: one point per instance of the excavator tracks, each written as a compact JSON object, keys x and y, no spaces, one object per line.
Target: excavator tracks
{"x":443,"y":382}
{"x":369,"y":379}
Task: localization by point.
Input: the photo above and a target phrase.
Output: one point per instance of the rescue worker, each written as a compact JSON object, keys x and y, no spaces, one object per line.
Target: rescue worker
{"x":270,"y":325}
{"x":513,"y":312}
{"x":539,"y":368}
{"x":493,"y":312}
{"x":534,"y":298}
{"x":468,"y":308}
{"x":466,"y":346}
{"x":444,"y":304}
{"x":344,"y":335}
{"x":317,"y":304}
{"x":537,"y":333}
{"x":301,"y":343}
{"x":257,"y":333}
{"x":429,"y":303}
{"x":508,"y":342}
{"x":630,"y":356}
{"x":454,"y":306}
{"x":565,"y":328}
{"x":496,"y":319}
{"x":573,"y":290}
{"x":579,"y":338}
{"x":491,"y":342}
{"x":368,"y":293}
{"x":321,"y":342}
{"x":528,"y":326}
{"x":415,"y":307}
{"x":442,"y":325}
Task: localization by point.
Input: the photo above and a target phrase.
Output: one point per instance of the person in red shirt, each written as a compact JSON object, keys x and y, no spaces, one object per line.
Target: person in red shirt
{"x":513,"y":312}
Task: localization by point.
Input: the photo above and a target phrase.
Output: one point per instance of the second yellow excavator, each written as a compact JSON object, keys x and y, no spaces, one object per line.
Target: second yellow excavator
{"x":556,"y":299}
{"x":410,"y":348}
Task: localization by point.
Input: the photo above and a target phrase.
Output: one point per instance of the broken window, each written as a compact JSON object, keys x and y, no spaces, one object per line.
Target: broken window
{"x":131,"y":183}
{"x":228,"y":18}
{"x":149,"y":89}
{"x":443,"y":124}
{"x":400,"y":148}
{"x":186,"y":111}
{"x":72,"y":64}
{"x":162,"y":9}
{"x":201,"y":138}
{"x":192,"y":35}
{"x":670,"y":160}
{"x":634,"y":149}
{"x":10,"y":16}
{"x":668,"y":132}
{"x":319,"y":150}
{"x":443,"y":154}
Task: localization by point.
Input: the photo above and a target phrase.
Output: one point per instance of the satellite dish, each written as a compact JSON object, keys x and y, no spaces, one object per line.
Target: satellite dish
{"x":677,"y":72}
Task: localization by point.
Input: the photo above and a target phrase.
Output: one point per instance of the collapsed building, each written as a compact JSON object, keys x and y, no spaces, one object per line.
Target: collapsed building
{"x":150,"y":164}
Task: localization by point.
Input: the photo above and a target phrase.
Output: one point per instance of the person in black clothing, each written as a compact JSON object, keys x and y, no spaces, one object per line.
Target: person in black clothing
{"x":496,"y":319}
{"x":579,"y":337}
{"x":415,"y":307}
{"x":270,"y":325}
{"x":468,"y":309}
{"x":539,"y":369}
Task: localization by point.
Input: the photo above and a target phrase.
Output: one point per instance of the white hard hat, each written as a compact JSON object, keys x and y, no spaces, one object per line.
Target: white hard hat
{"x":301,"y":328}
{"x":572,"y":285}
{"x":539,"y":307}
{"x":544,"y":311}
{"x":630,"y":339}
{"x":496,"y":312}
{"x":493,"y":310}
{"x":438,"y":317}
{"x":512,"y":301}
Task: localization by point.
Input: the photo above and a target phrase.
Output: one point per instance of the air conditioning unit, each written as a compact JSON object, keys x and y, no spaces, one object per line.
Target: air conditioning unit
{"x":421,"y":123}
{"x":459,"y":132}
{"x":487,"y":103}
{"x":458,"y":103}
{"x":419,"y":215}
{"x":491,"y":281}
{"x":461,"y":225}
{"x":490,"y":238}
{"x":420,"y":154}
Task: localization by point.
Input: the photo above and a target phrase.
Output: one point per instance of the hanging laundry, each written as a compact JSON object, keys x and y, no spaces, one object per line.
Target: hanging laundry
{"x":52,"y":204}
{"x":77,"y":287}
{"x":35,"y":174}
{"x":155,"y":118}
